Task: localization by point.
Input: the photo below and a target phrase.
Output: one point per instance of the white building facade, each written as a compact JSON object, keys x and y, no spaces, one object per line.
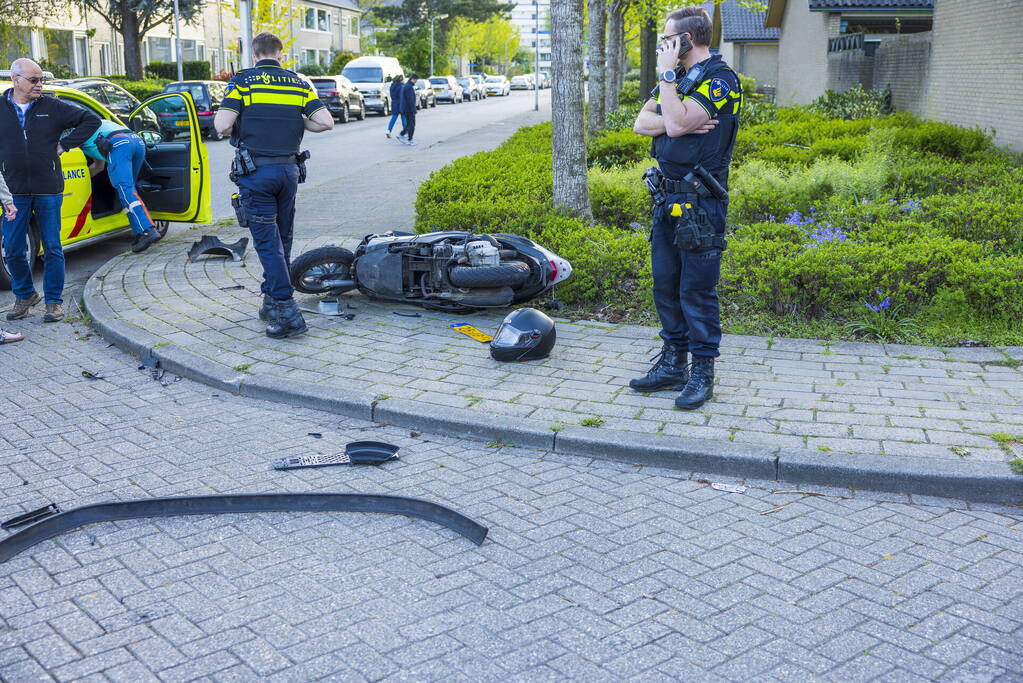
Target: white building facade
{"x":529,"y":17}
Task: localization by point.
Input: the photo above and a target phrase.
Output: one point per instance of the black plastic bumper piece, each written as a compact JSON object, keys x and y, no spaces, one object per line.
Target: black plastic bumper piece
{"x":232,"y":504}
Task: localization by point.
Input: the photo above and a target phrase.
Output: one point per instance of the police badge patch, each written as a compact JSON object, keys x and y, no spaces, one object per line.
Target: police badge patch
{"x":718,"y":90}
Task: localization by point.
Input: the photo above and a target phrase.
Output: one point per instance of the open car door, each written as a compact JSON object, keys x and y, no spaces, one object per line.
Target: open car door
{"x":175,"y":180}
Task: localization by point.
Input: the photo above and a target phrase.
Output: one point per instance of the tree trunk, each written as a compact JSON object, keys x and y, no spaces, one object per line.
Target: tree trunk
{"x":647,"y":57}
{"x":598,"y":67}
{"x":615,"y":54}
{"x":569,"y":160}
{"x":132,"y":42}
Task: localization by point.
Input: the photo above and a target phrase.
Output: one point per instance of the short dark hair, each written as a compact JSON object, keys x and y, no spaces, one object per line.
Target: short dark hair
{"x":695,"y":21}
{"x":266,"y":44}
{"x":413,"y":76}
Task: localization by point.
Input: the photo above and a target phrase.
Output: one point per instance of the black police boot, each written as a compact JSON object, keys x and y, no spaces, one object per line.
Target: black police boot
{"x":669,"y":372}
{"x":264,"y":310}
{"x":285,"y":320}
{"x":145,"y":240}
{"x":701,"y":384}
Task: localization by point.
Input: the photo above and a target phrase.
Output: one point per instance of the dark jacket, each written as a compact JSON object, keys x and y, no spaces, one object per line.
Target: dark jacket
{"x":407,"y":101}
{"x":28,"y":156}
{"x":396,"y":87}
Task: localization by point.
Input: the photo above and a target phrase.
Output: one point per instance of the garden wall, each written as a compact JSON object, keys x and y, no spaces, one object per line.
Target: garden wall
{"x":903,"y":64}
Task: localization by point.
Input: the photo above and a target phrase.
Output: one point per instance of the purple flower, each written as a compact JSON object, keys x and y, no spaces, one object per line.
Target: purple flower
{"x":911,"y":206}
{"x":825,"y":232}
{"x":883,"y":306}
{"x":796,"y":218}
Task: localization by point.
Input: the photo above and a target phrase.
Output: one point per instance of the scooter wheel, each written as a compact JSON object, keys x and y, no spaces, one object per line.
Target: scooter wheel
{"x":510,"y":274}
{"x":310,"y":270}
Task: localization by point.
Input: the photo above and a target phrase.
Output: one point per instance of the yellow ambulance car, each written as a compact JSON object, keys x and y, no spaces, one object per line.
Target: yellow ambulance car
{"x":174,"y":182}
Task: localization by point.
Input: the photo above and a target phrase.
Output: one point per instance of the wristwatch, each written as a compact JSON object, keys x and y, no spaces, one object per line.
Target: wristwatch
{"x":668,"y":76}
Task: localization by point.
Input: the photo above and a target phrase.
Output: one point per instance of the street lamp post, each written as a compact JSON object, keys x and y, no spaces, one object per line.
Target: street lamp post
{"x":432,"y":19}
{"x":245,"y":10}
{"x":177,"y":40}
{"x":536,"y":61}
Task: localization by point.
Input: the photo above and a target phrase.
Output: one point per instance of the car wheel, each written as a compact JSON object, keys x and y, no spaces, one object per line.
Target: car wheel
{"x":434,"y":103}
{"x":362,"y":112}
{"x":386,"y":109}
{"x":343,"y":116}
{"x":33,"y":258}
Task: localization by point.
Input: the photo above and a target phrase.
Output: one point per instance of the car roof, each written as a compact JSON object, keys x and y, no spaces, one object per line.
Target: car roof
{"x":59,"y":90}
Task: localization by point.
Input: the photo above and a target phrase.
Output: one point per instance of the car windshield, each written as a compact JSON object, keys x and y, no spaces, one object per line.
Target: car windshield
{"x":324,"y":85}
{"x":439,"y":81}
{"x":364,"y":74}
{"x":463,"y":81}
{"x":495,"y":79}
{"x":194,"y":89}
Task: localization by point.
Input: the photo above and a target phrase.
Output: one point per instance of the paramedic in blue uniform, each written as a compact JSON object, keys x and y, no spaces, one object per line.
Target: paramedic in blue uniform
{"x":693,"y":134}
{"x":269,"y":109}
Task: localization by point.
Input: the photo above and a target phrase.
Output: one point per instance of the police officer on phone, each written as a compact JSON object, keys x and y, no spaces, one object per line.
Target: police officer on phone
{"x":693,"y":117}
{"x":269,"y":109}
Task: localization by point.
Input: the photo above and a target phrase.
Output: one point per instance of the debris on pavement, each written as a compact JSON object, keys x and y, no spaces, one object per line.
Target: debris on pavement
{"x":211,"y":245}
{"x":88,"y":375}
{"x":405,"y":314}
{"x":315,"y":435}
{"x":728,"y":488}
{"x":356,"y":453}
{"x":472,"y":333}
{"x":29,"y":517}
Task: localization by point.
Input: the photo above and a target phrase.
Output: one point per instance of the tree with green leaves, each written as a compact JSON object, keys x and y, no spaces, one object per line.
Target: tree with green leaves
{"x":133,"y":19}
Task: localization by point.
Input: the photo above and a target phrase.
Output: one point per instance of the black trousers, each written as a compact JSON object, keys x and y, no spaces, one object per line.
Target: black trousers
{"x":410,"y":124}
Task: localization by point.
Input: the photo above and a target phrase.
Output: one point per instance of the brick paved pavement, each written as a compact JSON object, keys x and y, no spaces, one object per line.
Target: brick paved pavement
{"x":592,"y":570}
{"x":838,"y":398}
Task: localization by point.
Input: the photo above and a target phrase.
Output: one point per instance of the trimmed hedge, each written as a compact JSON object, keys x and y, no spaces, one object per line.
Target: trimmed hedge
{"x":197,"y":70}
{"x":141,"y":89}
{"x":826,"y":216}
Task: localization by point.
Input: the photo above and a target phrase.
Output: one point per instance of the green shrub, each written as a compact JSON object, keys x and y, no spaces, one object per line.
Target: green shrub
{"x":198,"y":70}
{"x":340,"y":60}
{"x":312,"y":70}
{"x":943,"y":138}
{"x":757,"y":112}
{"x":623,"y":117}
{"x":854,"y":103}
{"x":140,"y":89}
{"x":58,"y":70}
{"x":618,"y":148}
{"x":630,"y":93}
{"x":619,"y":198}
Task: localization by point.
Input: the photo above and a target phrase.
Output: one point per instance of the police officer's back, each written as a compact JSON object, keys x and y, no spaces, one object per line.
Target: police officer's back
{"x":270,"y":108}
{"x":693,"y":122}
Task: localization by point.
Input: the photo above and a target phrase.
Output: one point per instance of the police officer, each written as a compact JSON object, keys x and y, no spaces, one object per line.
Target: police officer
{"x":693,"y":122}
{"x":269,"y":109}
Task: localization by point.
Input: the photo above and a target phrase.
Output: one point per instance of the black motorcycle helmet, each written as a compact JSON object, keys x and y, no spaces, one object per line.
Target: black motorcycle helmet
{"x":525,"y":334}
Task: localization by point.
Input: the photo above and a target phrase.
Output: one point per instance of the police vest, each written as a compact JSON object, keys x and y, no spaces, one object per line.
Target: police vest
{"x":719,"y":93}
{"x":272,"y":104}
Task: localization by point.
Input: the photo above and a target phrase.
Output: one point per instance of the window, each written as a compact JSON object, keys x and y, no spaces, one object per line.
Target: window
{"x":104,"y":59}
{"x":58,"y":45}
{"x":353,"y":26}
{"x":119,"y":100}
{"x":160,"y":50}
{"x":81,"y":55}
{"x":316,"y":20}
{"x":322,"y":20}
{"x":18,"y":45}
{"x":309,"y":20}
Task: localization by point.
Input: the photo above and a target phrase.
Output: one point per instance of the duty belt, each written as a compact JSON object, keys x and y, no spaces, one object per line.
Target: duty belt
{"x":672,"y":186}
{"x":268,"y":160}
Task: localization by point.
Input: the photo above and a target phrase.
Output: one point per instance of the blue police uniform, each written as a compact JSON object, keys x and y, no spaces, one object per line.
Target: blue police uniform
{"x":271,"y":103}
{"x":685,"y":280}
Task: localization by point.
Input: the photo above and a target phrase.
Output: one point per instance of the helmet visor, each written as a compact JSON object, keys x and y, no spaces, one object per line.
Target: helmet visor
{"x":510,"y":336}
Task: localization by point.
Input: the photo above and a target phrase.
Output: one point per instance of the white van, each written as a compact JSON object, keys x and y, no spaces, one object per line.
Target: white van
{"x":373,"y":76}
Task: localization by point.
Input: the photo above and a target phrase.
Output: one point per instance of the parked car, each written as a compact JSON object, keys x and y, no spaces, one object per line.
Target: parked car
{"x":480,"y":80}
{"x":446,"y":88}
{"x":341,"y":96}
{"x":207,"y":96}
{"x":497,"y":85}
{"x":546,"y":79}
{"x":522,"y":83}
{"x":113,"y":97}
{"x":543,"y":80}
{"x":470,"y":89}
{"x":372,"y":76}
{"x":174,"y":184}
{"x":427,"y":98}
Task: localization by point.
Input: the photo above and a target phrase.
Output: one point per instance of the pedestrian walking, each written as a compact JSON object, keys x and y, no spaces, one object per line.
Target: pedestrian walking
{"x":396,"y":85}
{"x":408,"y":110}
{"x":123,"y":152}
{"x":31,"y":166}
{"x":693,"y":123}
{"x":267,"y":109}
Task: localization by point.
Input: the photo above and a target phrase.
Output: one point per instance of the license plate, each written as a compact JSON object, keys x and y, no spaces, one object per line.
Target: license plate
{"x":181,"y":124}
{"x":438,"y":89}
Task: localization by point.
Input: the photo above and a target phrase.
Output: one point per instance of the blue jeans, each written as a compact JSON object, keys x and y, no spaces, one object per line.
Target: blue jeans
{"x":685,"y":284}
{"x":268,"y":197}
{"x":123,"y":165}
{"x":394,"y":117}
{"x":47,"y":212}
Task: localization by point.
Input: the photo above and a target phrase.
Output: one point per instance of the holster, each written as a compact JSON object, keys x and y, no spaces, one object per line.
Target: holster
{"x":300,"y":160}
{"x":239,"y":210}
{"x":104,"y":145}
{"x":241,"y":165}
{"x":653,"y":179}
{"x":693,"y":230}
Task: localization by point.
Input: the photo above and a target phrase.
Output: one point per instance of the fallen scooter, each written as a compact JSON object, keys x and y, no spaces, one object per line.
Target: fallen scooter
{"x":453,"y":271}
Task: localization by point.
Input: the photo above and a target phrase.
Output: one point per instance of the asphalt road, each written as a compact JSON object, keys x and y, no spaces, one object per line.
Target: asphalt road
{"x":348,"y":148}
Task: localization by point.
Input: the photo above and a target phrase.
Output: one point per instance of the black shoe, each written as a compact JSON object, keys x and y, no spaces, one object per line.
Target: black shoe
{"x":700,"y":388}
{"x":669,"y":372}
{"x":145,"y":240}
{"x":285,"y":320}
{"x":264,"y":310}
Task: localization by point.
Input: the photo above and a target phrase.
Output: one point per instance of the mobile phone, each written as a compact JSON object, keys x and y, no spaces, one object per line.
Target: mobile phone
{"x":684,"y":45}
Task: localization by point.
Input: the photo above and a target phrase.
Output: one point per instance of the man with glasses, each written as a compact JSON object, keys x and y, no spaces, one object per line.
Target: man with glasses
{"x":30,"y":149}
{"x":693,"y":122}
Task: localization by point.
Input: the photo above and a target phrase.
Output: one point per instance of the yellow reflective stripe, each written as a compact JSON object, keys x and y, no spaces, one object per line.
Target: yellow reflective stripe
{"x":277,"y":98}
